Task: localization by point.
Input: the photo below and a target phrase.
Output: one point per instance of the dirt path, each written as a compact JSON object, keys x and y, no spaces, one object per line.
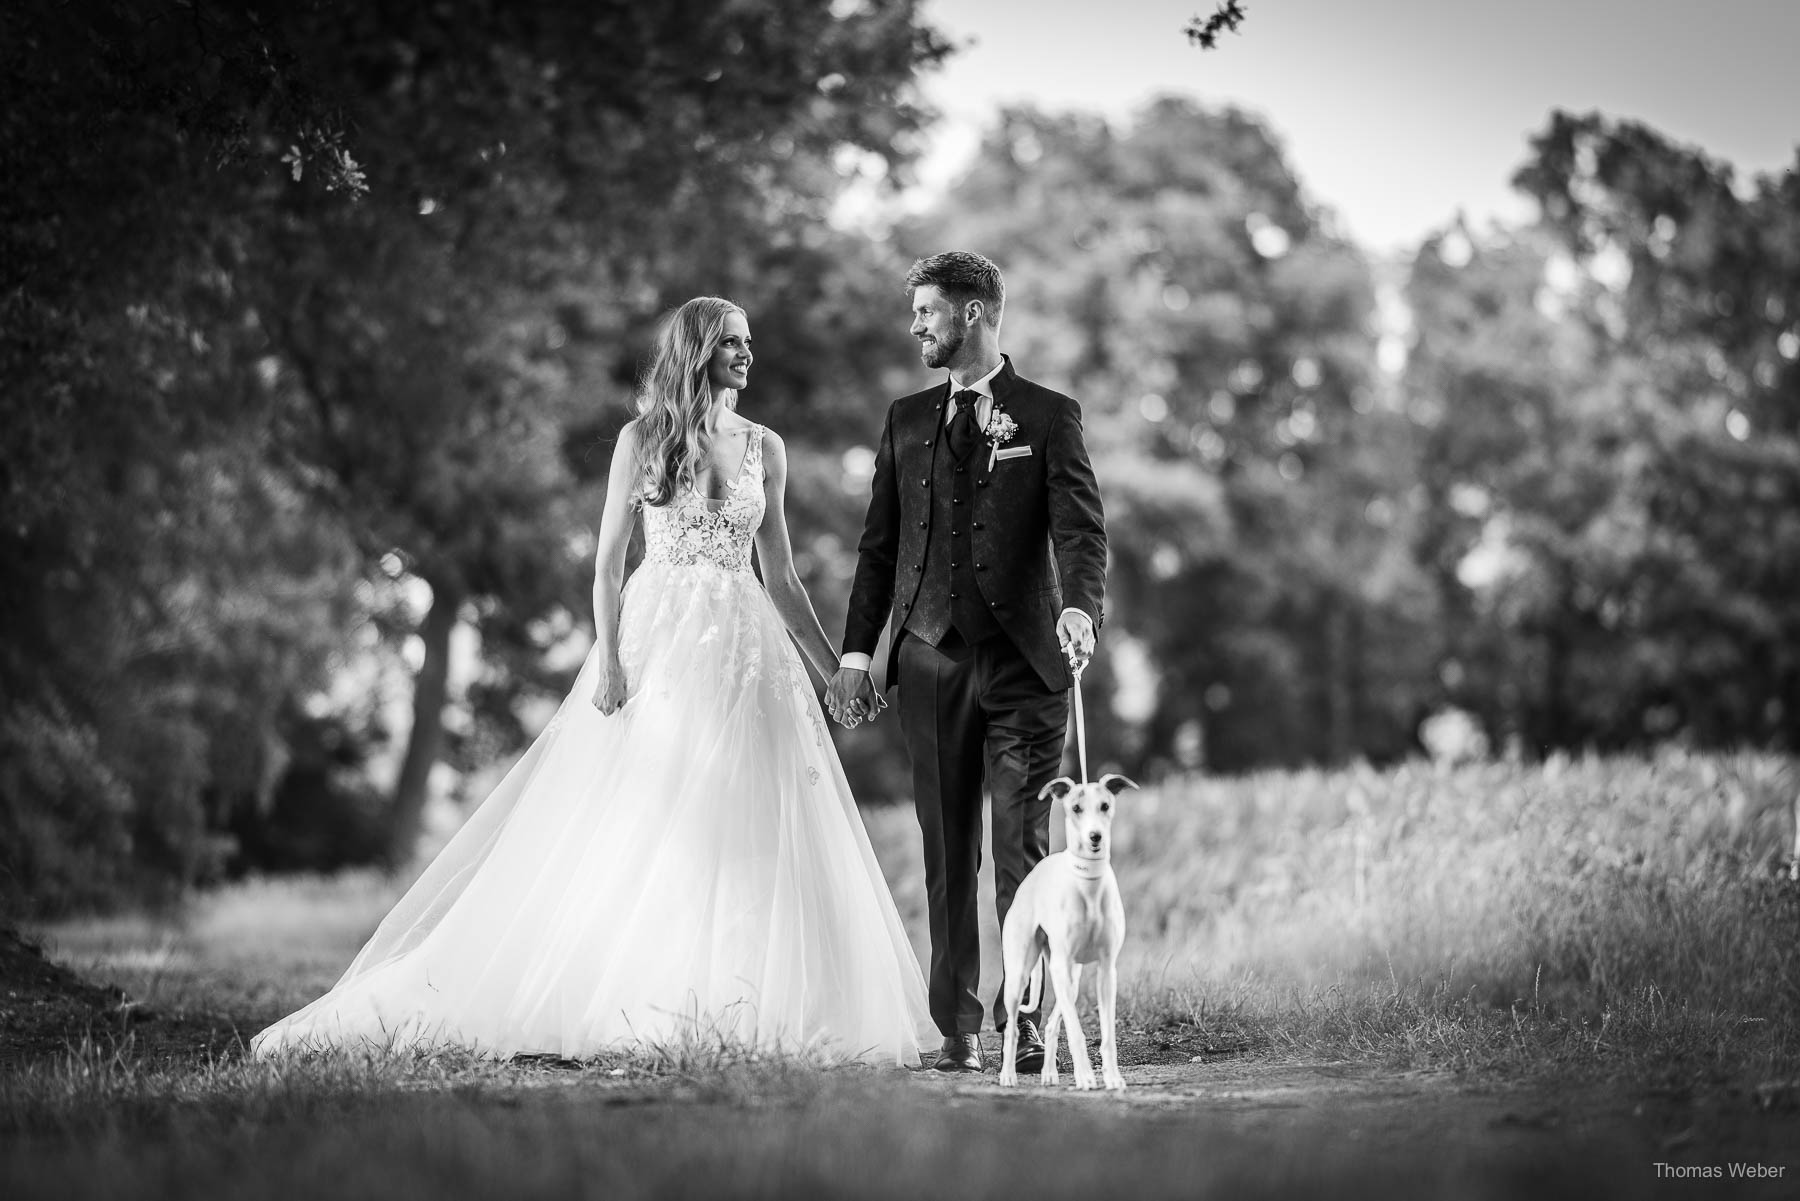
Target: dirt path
{"x":1270,"y":1127}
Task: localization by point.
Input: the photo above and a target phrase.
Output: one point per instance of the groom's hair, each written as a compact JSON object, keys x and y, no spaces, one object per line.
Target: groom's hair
{"x":962,"y":275}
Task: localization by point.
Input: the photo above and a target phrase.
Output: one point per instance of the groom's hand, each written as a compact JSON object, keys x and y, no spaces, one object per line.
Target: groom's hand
{"x":1075,"y":634}
{"x":851,"y":697}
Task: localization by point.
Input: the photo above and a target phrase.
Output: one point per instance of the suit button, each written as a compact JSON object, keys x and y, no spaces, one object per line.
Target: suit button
{"x":928,"y":441}
{"x":981,"y":483}
{"x":954,"y":565}
{"x":924,"y":524}
{"x":918,"y":566}
{"x":975,"y":525}
{"x":960,"y":470}
{"x":957,"y":500}
{"x":924,"y":483}
{"x":953,"y":596}
{"x":956,"y":533}
{"x":981,"y":567}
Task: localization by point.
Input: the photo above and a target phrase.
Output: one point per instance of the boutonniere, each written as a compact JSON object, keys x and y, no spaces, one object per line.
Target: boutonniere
{"x":1000,"y":430}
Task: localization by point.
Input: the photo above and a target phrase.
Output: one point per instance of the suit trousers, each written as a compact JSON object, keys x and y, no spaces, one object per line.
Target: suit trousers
{"x":970,"y":713}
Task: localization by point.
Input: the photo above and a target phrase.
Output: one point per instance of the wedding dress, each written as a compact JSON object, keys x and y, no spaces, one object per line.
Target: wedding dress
{"x":693,"y":864}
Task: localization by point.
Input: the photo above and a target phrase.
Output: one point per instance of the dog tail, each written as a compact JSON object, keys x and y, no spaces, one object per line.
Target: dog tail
{"x":1034,"y":988}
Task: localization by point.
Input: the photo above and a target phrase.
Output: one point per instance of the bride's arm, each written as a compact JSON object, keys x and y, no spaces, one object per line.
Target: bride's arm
{"x":776,"y":555}
{"x":609,"y":567}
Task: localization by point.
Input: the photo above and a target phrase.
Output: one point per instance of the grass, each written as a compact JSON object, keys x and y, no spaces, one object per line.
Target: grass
{"x":847,"y":1136}
{"x":103,"y":1087}
{"x":1596,"y":922}
{"x":1604,"y":914}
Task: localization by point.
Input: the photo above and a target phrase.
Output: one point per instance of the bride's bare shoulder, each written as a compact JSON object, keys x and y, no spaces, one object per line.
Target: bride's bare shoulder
{"x":626,"y":452}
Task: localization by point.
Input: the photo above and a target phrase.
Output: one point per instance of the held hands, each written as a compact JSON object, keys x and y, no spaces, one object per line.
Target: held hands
{"x":851,"y":697}
{"x":1075,"y":634}
{"x":609,"y":691}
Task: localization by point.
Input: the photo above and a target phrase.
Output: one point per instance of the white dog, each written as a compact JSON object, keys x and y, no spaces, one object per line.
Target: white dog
{"x":1067,"y":913}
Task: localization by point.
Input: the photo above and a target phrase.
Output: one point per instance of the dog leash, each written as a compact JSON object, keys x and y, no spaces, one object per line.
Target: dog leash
{"x":1078,"y":664}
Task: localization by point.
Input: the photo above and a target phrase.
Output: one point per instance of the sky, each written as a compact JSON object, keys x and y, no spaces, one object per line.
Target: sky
{"x":1394,"y":113}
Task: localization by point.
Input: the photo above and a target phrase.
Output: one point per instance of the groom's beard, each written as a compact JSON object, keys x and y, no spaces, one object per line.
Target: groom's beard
{"x":940,"y":351}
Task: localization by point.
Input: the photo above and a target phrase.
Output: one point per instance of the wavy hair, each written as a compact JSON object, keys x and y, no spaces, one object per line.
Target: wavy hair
{"x":675,"y":396}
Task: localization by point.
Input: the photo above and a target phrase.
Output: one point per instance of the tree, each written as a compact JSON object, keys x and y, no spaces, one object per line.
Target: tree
{"x":161,"y":594}
{"x":1205,"y":33}
{"x":1611,"y":453}
{"x":514,"y":167}
{"x":215,"y":373}
{"x":1174,"y":278}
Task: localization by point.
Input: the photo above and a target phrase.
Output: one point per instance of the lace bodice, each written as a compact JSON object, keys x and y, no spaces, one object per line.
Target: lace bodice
{"x":687,"y":530}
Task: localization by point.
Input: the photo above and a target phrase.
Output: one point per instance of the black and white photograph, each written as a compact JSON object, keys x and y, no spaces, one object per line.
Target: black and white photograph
{"x":899,"y":599}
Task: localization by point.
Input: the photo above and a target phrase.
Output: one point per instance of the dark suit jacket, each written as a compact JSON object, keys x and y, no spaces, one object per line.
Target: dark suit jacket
{"x":1037,"y":524}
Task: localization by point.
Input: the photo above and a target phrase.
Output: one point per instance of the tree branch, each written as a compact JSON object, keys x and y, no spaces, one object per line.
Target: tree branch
{"x":1205,"y":34}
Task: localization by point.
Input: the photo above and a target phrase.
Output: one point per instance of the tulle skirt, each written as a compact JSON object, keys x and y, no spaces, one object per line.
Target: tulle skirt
{"x":693,"y":864}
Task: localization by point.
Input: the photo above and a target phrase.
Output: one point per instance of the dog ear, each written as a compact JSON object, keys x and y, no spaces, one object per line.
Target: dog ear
{"x":1115,"y":783}
{"x":1057,"y":789}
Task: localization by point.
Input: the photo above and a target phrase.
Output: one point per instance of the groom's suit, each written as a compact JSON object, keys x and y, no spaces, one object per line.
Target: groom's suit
{"x":973,"y":564}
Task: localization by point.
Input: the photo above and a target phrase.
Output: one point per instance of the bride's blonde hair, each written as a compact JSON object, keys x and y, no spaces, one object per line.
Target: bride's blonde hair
{"x":675,"y":395}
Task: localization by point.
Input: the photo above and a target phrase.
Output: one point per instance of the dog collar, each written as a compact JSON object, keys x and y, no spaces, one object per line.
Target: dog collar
{"x":1088,"y":869}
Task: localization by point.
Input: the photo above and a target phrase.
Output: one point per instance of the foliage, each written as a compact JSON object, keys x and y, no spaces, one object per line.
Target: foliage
{"x":1611,"y":455}
{"x":316,"y":325}
{"x":162,"y":590}
{"x":1205,"y":33}
{"x":235,"y":398}
{"x":1174,"y":279}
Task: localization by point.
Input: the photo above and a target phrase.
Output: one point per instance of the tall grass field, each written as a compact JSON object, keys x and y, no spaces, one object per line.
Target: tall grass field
{"x":1614,"y":914}
{"x":1589,"y":920}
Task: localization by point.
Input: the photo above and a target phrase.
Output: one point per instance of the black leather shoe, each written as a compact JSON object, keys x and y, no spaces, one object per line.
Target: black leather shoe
{"x":1030,"y":1057}
{"x":961,"y":1053}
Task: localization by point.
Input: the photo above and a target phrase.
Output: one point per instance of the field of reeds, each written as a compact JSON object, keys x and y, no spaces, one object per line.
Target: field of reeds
{"x":1618,"y":925}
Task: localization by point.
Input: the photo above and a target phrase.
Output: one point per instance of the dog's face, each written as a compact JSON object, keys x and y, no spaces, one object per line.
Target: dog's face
{"x":1088,"y":813}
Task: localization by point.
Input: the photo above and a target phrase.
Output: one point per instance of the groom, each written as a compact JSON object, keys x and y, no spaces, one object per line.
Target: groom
{"x":986,"y":542}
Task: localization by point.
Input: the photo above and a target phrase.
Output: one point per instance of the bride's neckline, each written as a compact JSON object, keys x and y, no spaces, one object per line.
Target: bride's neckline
{"x":715,"y":504}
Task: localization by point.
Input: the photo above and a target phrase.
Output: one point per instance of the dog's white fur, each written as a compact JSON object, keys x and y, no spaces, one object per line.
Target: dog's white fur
{"x":1067,"y":913}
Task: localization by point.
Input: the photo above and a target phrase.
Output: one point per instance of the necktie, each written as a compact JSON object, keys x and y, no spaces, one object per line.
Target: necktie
{"x":961,"y":432}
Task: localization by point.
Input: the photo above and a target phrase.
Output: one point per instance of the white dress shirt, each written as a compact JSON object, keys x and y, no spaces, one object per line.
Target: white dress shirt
{"x":984,"y":408}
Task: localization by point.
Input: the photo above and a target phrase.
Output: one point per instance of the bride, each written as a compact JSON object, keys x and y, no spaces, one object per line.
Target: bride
{"x":678,"y":853}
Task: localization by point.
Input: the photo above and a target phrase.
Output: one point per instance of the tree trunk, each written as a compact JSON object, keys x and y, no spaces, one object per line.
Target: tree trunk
{"x":426,"y":743}
{"x":1340,"y":683}
{"x":1555,"y":732}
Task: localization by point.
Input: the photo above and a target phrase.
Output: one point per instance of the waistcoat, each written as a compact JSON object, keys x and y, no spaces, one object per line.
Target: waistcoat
{"x":947,"y":593}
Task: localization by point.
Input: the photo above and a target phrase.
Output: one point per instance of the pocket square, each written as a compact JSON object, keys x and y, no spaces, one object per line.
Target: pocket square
{"x":1012,"y":452}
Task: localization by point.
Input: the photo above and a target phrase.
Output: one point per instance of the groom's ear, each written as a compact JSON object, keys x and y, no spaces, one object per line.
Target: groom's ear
{"x":1115,"y":783}
{"x":1057,"y":789}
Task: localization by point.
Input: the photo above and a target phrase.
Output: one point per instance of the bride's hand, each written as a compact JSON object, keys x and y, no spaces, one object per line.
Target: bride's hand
{"x":609,"y":691}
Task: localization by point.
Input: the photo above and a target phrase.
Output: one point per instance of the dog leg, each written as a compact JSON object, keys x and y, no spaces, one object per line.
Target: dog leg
{"x":1020,"y":963}
{"x":1068,"y":987}
{"x":1009,"y":1073}
{"x":1052,"y":1025}
{"x":1109,"y":1038}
